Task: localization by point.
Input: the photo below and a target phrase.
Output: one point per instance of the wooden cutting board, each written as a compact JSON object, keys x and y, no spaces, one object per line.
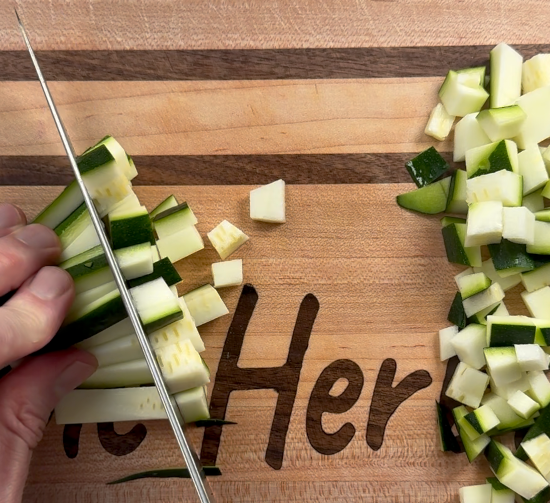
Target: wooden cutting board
{"x":328,"y":363}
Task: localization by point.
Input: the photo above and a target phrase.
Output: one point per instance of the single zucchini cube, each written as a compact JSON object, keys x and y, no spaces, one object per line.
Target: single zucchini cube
{"x":481,"y":316}
{"x":500,"y":493}
{"x":227,"y":273}
{"x":468,"y":134}
{"x":502,"y":365}
{"x":173,"y":220}
{"x":504,"y":186}
{"x":537,"y":278}
{"x":536,"y":73}
{"x":440,"y":123}
{"x":467,"y":385}
{"x":541,"y":243}
{"x":454,"y":237}
{"x":483,"y":300}
{"x":531,"y":357}
{"x":205,"y":304}
{"x":430,"y":200}
{"x":130,"y":228}
{"x":446,"y":349}
{"x":469,"y":344}
{"x":168,"y":203}
{"x":534,"y":202}
{"x":477,"y":74}
{"x":267,"y":203}
{"x":456,"y":202}
{"x":506,"y":283}
{"x":473,"y":283}
{"x":501,"y":123}
{"x":518,"y":225}
{"x":536,"y":128}
{"x":461,"y":94}
{"x":505,"y":414}
{"x":532,"y":169}
{"x":538,"y":302}
{"x":507,"y":390}
{"x":503,"y":331}
{"x":506,"y":65}
{"x":482,"y":420}
{"x":523,"y":405}
{"x":456,"y":315}
{"x":135,"y":261}
{"x":484,"y":223}
{"x":473,"y":448}
{"x":475,"y":494}
{"x":226,"y":238}
{"x":510,"y":258}
{"x":181,"y":244}
{"x":426,"y":167}
{"x":502,"y":155}
{"x":539,"y":389}
{"x":538,"y":450}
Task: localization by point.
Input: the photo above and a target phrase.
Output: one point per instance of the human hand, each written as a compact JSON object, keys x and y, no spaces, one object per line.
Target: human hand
{"x":28,"y":321}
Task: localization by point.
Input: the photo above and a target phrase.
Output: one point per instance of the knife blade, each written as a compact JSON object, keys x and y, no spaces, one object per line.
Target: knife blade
{"x":172,"y":410}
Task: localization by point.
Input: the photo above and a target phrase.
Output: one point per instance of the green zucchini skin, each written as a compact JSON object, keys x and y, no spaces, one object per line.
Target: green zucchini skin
{"x":165,"y":473}
{"x":131,"y":231}
{"x":457,"y":315}
{"x":426,"y":167}
{"x":509,"y":255}
{"x":449,"y":443}
{"x":161,"y":269}
{"x":542,"y":425}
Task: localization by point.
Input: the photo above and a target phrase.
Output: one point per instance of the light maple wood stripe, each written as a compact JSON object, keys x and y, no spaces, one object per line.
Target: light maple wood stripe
{"x":223,"y":118}
{"x":91,"y":24}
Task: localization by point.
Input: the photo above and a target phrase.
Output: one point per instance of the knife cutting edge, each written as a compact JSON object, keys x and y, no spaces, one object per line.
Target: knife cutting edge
{"x":172,"y":411}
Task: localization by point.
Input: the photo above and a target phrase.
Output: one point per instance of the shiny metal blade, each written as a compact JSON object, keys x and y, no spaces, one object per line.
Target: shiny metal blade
{"x":174,"y":415}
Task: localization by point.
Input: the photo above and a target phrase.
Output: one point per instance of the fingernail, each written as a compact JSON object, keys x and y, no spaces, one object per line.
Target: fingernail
{"x":50,"y":283}
{"x":38,"y":236}
{"x":9,"y":216}
{"x":74,"y":375}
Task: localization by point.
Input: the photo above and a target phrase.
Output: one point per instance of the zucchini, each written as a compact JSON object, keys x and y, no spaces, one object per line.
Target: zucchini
{"x":479,"y":421}
{"x":537,"y":278}
{"x":130,"y":228}
{"x":427,"y":167}
{"x":156,"y":305}
{"x":178,"y":331}
{"x":456,"y":201}
{"x":537,"y":302}
{"x":128,"y":204}
{"x":120,"y":375}
{"x":536,"y":128}
{"x":205,"y":304}
{"x":478,"y":72}
{"x":531,"y":357}
{"x":475,"y":494}
{"x":85,"y":298}
{"x":467,"y":385}
{"x":439,"y":123}
{"x":473,"y":448}
{"x":509,"y":258}
{"x":127,"y":404}
{"x":227,"y":273}
{"x":501,"y":123}
{"x":468,"y":345}
{"x":473,"y":283}
{"x":502,"y":155}
{"x":88,"y":269}
{"x":468,"y":135}
{"x":506,"y":65}
{"x":539,"y":387}
{"x":174,"y":219}
{"x":522,"y":405}
{"x":541,"y":242}
{"x":430,"y":200}
{"x":481,"y":316}
{"x":483,"y":300}
{"x":267,"y":203}
{"x":122,"y":349}
{"x":226,"y":238}
{"x":447,"y":438}
{"x":451,"y":220}
{"x":68,"y":230}
{"x":536,"y":73}
{"x":543,"y":215}
{"x":116,"y":331}
{"x":503,"y":186}
{"x":168,"y":203}
{"x":161,"y":269}
{"x":461,"y":94}
{"x":454,"y":237}
{"x":518,"y":225}
{"x":534,"y":202}
{"x":135,"y":261}
{"x":181,"y":244}
{"x":533,"y":169}
{"x":506,"y":283}
{"x":499,"y":492}
{"x":62,"y":206}
{"x":502,"y":365}
{"x":123,"y":160}
{"x":507,"y":418}
{"x":509,"y":330}
{"x":87,"y":240}
{"x":542,"y":425}
{"x":507,"y":390}
{"x":182,"y":366}
{"x":538,"y":450}
{"x":484,"y":224}
{"x":514,"y":473}
{"x":456,"y":315}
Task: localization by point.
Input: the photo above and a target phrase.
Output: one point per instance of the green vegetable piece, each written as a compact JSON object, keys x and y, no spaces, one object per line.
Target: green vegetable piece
{"x":542,"y":425}
{"x":496,"y":484}
{"x":94,"y":158}
{"x":512,"y":257}
{"x":453,"y":237}
{"x":452,"y":220}
{"x":448,"y":441}
{"x":161,"y":269}
{"x":457,"y":315}
{"x":426,"y":167}
{"x":165,"y":473}
{"x":430,"y":200}
{"x":498,"y":159}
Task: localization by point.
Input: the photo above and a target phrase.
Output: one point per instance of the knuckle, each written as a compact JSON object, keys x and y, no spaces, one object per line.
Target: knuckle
{"x":21,"y":419}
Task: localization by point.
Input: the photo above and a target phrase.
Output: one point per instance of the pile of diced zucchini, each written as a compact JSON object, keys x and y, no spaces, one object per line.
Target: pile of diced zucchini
{"x":146,"y":245}
{"x":495,"y":210}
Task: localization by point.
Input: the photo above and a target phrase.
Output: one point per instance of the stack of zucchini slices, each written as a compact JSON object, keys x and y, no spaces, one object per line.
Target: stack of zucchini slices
{"x":146,"y":245}
{"x":496,"y":211}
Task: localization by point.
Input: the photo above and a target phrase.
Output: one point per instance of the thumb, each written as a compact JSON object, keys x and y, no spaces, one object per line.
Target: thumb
{"x":28,"y":395}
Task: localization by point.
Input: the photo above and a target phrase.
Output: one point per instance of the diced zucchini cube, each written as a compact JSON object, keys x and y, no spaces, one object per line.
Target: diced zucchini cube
{"x":537,"y":278}
{"x":504,"y":186}
{"x":502,"y":365}
{"x":181,"y":244}
{"x":173,"y":220}
{"x":446,"y":349}
{"x":205,"y":304}
{"x":501,"y":123}
{"x":505,"y":414}
{"x":507,"y":390}
{"x":531,"y":357}
{"x":454,"y":236}
{"x":506,"y":283}
{"x":475,"y":494}
{"x":505,"y":331}
{"x":473,"y":448}
{"x":536,"y":128}
{"x":534,"y":202}
{"x":468,"y":134}
{"x":536,"y":73}
{"x":483,"y":300}
{"x":467,"y":385}
{"x":532,"y":169}
{"x":135,"y":261}
{"x":484,"y":223}
{"x":461,"y":94}
{"x":541,"y":243}
{"x":523,"y":405}
{"x":456,"y":315}
{"x":267,"y":203}
{"x":539,"y":387}
{"x":538,"y":450}
{"x":469,"y":344}
{"x":518,"y":225}
{"x":440,"y":123}
{"x":482,"y":420}
{"x":471,"y":284}
{"x":502,"y":155}
{"x":227,"y":273}
{"x":226,"y":238}
{"x":430,"y":200}
{"x":506,"y":65}
{"x":456,"y":202}
{"x":510,"y":258}
{"x":426,"y":167}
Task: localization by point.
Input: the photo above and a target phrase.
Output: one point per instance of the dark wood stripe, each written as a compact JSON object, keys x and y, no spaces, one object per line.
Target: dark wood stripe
{"x":225,"y":169}
{"x":368,"y":62}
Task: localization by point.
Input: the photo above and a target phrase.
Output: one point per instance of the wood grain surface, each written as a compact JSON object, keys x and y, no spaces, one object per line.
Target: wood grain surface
{"x":328,"y":360}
